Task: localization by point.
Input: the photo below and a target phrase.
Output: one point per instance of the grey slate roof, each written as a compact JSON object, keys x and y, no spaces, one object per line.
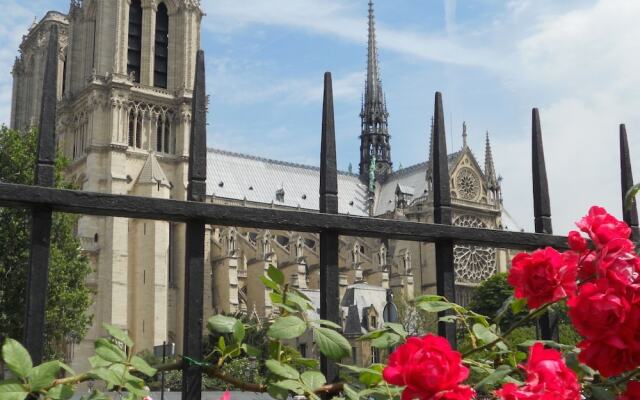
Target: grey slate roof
{"x":414,"y":176}
{"x":239,"y":176}
{"x":357,"y":299}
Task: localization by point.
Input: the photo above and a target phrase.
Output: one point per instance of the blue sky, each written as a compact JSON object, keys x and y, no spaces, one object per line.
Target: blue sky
{"x":578,"y":61}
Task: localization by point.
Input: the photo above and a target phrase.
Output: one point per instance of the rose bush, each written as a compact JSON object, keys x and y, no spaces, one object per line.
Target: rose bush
{"x":597,"y":279}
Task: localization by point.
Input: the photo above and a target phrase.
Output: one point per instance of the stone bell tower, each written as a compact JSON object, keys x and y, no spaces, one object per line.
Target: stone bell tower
{"x":123,"y":122}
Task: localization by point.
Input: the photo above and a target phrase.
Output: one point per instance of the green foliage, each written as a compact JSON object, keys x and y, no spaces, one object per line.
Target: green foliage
{"x":69,"y":298}
{"x":489,"y":298}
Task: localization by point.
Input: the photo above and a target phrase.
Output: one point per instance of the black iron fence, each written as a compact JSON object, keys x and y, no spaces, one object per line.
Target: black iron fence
{"x":43,"y":200}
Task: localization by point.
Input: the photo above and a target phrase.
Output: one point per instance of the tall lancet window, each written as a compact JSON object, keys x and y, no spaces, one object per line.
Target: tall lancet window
{"x":135,"y":40}
{"x":161,"y":48}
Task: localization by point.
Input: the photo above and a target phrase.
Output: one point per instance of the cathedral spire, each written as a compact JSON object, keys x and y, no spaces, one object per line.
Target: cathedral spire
{"x":374,"y":138}
{"x":464,"y":134}
{"x":489,"y":169}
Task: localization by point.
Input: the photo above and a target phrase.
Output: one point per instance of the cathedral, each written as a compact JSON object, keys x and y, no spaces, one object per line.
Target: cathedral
{"x":126,"y":72}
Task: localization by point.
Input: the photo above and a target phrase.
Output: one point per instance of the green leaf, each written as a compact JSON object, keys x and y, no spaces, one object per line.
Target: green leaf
{"x":136,"y":389}
{"x":386,"y":341}
{"x":435,"y":306}
{"x":251,"y":350}
{"x":276,"y":275}
{"x":428,"y":297}
{"x":269,"y":283}
{"x":67,"y":368}
{"x":118,"y":334}
{"x":12,"y":390}
{"x":282,"y":370}
{"x":222,"y":324}
{"x":17,"y":358}
{"x":291,"y":385}
{"x":548,"y":343}
{"x":486,"y":335}
{"x":371,"y":376}
{"x":326,"y":323}
{"x":97,"y":362}
{"x":350,"y":393}
{"x":373,"y":334}
{"x":43,"y":375}
{"x":299,"y":302}
{"x":397,"y":328}
{"x":106,"y":375}
{"x":308,"y":363}
{"x":313,"y":379}
{"x":495,"y":377}
{"x":141,"y":365}
{"x":331,"y":343}
{"x":239,"y":332}
{"x":630,"y":196}
{"x":278,"y":392}
{"x":287,"y":328}
{"x":600,"y":393}
{"x":448,"y":319}
{"x":109,"y":351}
{"x":518,"y":305}
{"x":60,"y":392}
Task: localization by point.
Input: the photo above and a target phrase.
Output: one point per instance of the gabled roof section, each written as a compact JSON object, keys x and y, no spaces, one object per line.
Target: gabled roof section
{"x":265,"y":181}
{"x":152,"y":172}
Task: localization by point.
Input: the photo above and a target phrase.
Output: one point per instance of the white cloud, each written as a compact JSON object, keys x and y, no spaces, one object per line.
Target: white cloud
{"x":582,"y":67}
{"x":342,"y":19}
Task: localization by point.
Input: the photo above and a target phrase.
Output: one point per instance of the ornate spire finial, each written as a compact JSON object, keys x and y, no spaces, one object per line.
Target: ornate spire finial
{"x":464,"y":134}
{"x":374,"y":138}
{"x":489,"y":169}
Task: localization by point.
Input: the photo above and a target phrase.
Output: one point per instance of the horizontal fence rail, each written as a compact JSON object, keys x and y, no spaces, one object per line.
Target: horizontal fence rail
{"x":91,"y":203}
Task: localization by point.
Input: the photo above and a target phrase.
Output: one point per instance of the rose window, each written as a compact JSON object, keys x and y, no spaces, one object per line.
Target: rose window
{"x":468,"y":184}
{"x":473,"y":264}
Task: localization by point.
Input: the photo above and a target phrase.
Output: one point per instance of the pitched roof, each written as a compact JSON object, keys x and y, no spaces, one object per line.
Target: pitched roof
{"x":261,"y":180}
{"x":152,"y":172}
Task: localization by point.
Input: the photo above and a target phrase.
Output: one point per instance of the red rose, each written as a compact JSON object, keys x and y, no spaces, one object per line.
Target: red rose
{"x":548,"y":377}
{"x":632,"y":393}
{"x":511,"y":391}
{"x":588,"y":266}
{"x":603,"y":227}
{"x":597,"y":310}
{"x":610,"y":356}
{"x":619,"y":263}
{"x":428,"y":367}
{"x":577,"y":242}
{"x":461,"y":392}
{"x":544,"y":276}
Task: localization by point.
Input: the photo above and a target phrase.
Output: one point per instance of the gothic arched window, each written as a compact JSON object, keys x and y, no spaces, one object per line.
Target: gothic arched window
{"x":167,"y":135}
{"x":132,"y":128}
{"x":162,"y":47}
{"x":159,"y":133}
{"x":134,"y":48}
{"x":139,"y":131}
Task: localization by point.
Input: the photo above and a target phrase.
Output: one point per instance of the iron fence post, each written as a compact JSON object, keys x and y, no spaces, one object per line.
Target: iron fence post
{"x":38,"y":272}
{"x":329,"y":270}
{"x":542,"y":212}
{"x":445,"y":274}
{"x":195,"y":232}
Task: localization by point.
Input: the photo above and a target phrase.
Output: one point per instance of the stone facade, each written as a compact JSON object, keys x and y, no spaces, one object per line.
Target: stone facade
{"x":126,"y":73}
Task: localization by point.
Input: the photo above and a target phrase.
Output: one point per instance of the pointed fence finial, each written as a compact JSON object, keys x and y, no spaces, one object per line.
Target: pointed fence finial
{"x":47,"y":126}
{"x":629,"y":213}
{"x":445,"y":276}
{"x":542,"y":212}
{"x":541,"y":202}
{"x":198,"y":138}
